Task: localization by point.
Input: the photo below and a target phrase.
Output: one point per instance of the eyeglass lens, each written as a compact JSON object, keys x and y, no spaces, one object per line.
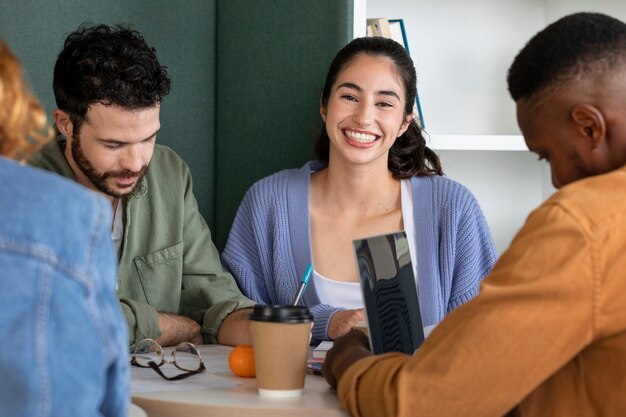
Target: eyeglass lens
{"x":147,"y":351}
{"x":187,"y":357}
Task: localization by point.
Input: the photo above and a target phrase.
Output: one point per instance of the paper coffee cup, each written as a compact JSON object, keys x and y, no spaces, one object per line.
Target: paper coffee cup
{"x":280,"y":336}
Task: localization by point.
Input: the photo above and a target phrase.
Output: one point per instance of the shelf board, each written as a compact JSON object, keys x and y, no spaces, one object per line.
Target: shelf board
{"x":476,"y":142}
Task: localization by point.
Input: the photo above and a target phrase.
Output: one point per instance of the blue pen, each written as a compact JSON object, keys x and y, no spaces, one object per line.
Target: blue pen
{"x":303,"y":283}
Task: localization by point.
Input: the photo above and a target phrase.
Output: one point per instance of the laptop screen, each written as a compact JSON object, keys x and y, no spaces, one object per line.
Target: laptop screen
{"x":389,"y":293}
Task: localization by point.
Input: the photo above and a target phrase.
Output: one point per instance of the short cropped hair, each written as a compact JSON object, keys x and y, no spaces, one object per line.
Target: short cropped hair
{"x":108,"y":65}
{"x":576,"y":45}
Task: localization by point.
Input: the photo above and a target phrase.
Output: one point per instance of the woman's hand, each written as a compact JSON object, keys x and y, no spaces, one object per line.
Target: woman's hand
{"x":343,"y":321}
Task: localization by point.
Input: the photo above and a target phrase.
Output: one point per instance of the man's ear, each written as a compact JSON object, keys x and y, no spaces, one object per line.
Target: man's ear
{"x":590,"y":124}
{"x":63,"y":122}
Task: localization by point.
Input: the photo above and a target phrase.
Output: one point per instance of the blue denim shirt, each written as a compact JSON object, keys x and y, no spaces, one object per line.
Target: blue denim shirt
{"x":64,"y":340}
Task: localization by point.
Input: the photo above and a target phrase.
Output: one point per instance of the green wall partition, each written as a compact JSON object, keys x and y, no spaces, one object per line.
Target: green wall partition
{"x":183,"y":34}
{"x":246,"y":78}
{"x":272,"y":58}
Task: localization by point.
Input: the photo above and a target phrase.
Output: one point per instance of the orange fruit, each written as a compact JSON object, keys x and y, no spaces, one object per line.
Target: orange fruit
{"x":241,"y":361}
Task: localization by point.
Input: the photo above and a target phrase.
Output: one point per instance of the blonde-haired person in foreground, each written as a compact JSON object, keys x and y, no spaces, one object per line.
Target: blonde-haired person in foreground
{"x":21,"y":116}
{"x":57,"y":273}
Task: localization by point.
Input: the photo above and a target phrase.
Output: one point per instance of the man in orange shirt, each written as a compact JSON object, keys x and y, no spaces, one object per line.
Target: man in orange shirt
{"x":546,"y":336}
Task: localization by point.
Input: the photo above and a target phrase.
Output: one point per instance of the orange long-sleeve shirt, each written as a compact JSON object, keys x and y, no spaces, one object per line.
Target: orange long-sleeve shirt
{"x":546,"y":336}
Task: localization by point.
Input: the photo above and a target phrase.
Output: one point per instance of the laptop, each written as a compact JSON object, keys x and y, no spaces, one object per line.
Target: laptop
{"x":389,"y":293}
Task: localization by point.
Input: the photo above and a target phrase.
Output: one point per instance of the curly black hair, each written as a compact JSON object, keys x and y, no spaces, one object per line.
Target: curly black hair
{"x":108,"y":65}
{"x":409,"y":156}
{"x":576,"y":45}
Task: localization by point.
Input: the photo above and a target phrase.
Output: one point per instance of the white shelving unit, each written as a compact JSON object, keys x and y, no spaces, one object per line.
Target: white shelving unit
{"x":462,"y":51}
{"x":476,"y":142}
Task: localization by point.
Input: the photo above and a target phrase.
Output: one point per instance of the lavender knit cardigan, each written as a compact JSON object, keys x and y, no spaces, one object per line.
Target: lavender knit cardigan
{"x":269,"y":248}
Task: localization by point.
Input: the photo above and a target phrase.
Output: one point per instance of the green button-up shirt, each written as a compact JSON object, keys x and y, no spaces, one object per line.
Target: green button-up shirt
{"x":168,"y":261}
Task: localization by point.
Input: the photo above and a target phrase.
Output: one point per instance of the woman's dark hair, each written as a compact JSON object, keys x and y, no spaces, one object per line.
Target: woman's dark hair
{"x":409,"y":156}
{"x":108,"y":65}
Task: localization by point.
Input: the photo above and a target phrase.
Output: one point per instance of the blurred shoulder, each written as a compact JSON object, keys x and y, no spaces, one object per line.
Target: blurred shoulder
{"x":39,"y":208}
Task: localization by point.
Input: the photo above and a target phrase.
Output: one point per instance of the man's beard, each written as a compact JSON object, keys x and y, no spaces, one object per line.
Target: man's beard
{"x":582,"y":170}
{"x":98,"y":179}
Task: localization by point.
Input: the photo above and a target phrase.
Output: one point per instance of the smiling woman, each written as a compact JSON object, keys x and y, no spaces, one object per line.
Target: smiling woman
{"x":374,"y":175}
{"x":369,"y":115}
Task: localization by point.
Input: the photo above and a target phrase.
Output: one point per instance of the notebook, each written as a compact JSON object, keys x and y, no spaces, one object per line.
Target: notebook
{"x":320,"y":351}
{"x":389,"y":293}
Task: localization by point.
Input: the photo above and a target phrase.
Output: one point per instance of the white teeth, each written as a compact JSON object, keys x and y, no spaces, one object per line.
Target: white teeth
{"x":360,"y":137}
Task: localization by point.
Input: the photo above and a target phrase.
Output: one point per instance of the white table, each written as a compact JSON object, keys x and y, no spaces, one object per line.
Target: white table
{"x":135,"y":411}
{"x":217,"y":392}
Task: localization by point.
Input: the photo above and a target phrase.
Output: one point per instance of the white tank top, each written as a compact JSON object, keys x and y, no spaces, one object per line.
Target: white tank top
{"x":348,"y":294}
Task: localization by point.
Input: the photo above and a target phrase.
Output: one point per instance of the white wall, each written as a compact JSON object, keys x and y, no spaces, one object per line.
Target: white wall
{"x":555,"y":9}
{"x":507,"y":185}
{"x":462,"y":50}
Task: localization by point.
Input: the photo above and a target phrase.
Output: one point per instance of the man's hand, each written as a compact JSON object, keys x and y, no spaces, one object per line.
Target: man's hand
{"x":177,"y":329}
{"x":343,"y":321}
{"x":345,"y":351}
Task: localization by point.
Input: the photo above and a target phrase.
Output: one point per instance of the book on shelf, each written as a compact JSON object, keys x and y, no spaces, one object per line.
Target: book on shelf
{"x":379,"y":27}
{"x":319,"y":353}
{"x":394,"y":29}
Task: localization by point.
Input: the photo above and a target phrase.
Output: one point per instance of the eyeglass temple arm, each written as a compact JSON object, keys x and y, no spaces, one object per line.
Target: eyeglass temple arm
{"x":177,"y":377}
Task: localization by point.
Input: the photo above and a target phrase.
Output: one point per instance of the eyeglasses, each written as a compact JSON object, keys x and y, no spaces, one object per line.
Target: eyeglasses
{"x":149,"y":354}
